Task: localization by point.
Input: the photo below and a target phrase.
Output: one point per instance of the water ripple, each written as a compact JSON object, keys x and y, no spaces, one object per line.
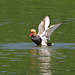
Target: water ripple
{"x":23,"y":46}
{"x":5,"y":65}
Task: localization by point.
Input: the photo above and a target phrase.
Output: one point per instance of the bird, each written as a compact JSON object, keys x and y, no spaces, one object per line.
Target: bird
{"x":44,"y":32}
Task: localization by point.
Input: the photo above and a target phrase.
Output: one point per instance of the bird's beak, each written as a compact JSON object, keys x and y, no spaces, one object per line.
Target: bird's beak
{"x":31,"y":34}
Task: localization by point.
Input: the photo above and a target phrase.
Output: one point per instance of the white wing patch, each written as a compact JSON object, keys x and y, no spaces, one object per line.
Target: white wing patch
{"x":43,"y":25}
{"x":47,"y":22}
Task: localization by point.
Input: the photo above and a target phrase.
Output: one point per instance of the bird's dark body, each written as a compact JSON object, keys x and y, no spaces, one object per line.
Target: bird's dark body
{"x":36,"y":39}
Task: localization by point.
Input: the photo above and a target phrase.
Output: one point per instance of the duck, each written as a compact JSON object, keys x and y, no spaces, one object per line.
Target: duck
{"x":44,"y":32}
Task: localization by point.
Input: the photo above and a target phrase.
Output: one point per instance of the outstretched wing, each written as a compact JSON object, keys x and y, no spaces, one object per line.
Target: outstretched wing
{"x":47,"y":33}
{"x":51,"y":29}
{"x":43,"y":25}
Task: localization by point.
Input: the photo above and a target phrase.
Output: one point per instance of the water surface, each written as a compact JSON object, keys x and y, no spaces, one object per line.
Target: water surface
{"x":29,"y":59}
{"x":18,"y":55}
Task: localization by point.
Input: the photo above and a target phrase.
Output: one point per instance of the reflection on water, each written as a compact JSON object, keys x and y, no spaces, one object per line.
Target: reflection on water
{"x":39,"y":60}
{"x":43,"y":60}
{"x":44,"y":64}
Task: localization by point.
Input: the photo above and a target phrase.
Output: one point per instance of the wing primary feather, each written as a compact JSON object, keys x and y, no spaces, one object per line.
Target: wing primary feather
{"x":43,"y":25}
{"x":52,"y":28}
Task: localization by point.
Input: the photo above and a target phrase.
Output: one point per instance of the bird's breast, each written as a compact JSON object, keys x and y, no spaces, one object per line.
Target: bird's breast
{"x":36,"y":39}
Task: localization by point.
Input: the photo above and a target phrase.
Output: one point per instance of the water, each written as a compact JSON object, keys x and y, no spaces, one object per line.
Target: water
{"x":27,"y":58}
{"x":19,"y":55}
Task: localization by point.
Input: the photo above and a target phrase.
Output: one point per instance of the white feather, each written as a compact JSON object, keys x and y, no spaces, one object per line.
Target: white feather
{"x":43,"y":25}
{"x":47,"y":22}
{"x":44,"y":32}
